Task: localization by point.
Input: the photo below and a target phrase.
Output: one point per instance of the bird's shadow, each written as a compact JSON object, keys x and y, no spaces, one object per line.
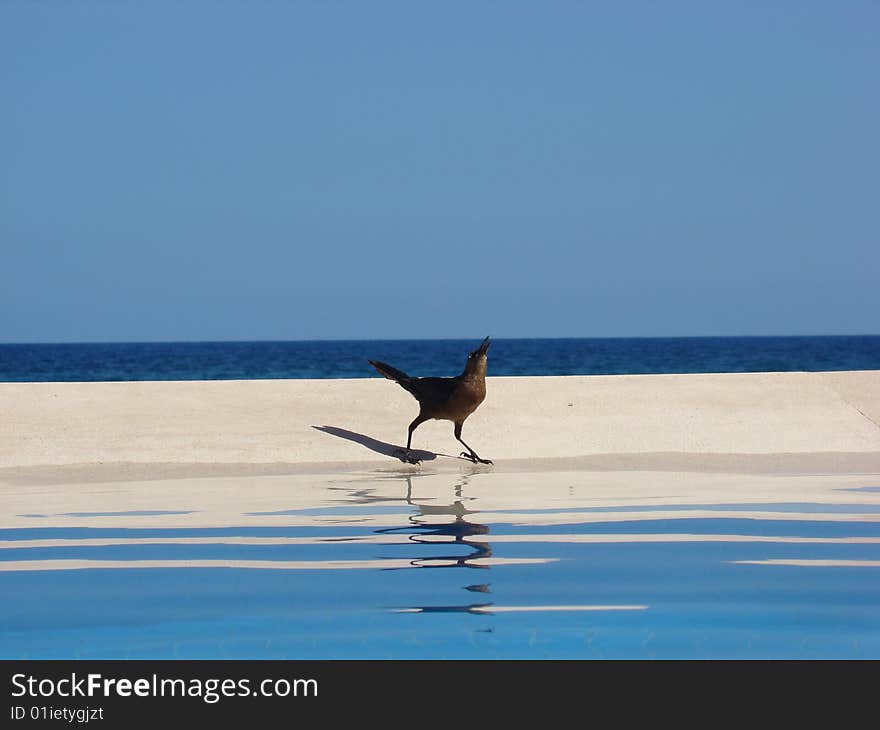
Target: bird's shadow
{"x":380,"y":447}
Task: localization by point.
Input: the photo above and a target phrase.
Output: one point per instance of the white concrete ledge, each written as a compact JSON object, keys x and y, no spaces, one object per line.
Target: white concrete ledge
{"x":297,"y":422}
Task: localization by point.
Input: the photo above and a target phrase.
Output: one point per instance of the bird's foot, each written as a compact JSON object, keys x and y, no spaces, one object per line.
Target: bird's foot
{"x":474,"y":458}
{"x":406,"y":456}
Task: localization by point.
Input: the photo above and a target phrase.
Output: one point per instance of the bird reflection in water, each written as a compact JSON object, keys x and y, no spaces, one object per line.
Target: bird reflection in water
{"x":426,"y":527}
{"x":425,"y":531}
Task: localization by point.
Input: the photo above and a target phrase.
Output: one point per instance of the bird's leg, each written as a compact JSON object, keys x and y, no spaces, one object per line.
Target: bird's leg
{"x":470,"y":453}
{"x":405,"y":453}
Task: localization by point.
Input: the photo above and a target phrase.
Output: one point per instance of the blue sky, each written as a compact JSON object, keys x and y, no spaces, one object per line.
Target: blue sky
{"x":304,"y":170}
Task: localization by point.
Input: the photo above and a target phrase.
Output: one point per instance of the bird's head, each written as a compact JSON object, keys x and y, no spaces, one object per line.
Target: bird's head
{"x":476,"y":362}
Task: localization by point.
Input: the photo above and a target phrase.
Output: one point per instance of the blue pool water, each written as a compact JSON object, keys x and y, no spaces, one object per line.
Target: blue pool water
{"x":348,"y":359}
{"x":447,"y":565}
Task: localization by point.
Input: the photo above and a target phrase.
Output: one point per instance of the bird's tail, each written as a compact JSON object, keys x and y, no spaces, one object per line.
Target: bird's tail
{"x":391,"y":373}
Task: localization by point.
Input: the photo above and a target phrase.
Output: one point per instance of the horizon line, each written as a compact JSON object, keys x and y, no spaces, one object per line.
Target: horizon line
{"x":427,"y":339}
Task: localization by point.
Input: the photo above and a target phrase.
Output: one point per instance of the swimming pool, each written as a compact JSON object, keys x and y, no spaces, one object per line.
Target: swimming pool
{"x":472,"y":563}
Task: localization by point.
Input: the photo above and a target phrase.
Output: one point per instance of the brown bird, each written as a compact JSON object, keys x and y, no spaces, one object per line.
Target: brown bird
{"x":447,"y":399}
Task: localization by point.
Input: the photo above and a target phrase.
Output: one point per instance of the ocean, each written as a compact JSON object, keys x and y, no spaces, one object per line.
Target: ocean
{"x":348,"y":358}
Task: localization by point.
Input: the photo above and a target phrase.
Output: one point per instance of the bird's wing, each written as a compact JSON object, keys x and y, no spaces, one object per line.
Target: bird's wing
{"x":432,"y":390}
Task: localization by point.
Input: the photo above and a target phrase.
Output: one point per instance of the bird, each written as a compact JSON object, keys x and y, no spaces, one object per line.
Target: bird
{"x":448,"y":399}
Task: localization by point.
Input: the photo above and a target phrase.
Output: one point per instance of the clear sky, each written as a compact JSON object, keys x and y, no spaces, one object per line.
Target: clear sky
{"x":325,"y":170}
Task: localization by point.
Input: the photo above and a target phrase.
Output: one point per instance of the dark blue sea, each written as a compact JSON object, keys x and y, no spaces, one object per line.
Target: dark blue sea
{"x":348,"y":358}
